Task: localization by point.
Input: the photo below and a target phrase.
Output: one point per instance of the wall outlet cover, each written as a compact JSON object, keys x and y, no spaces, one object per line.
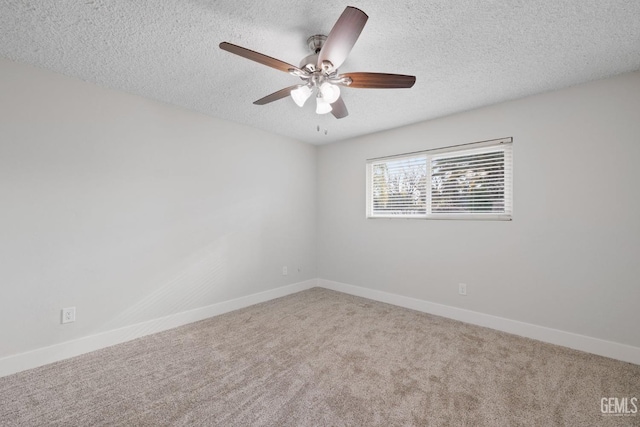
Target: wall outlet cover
{"x":68,"y":315}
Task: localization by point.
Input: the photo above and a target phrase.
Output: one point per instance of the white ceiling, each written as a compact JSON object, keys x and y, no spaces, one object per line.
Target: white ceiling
{"x":465,"y":54}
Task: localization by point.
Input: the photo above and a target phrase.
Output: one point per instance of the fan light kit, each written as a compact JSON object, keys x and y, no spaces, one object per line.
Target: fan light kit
{"x":319,"y":71}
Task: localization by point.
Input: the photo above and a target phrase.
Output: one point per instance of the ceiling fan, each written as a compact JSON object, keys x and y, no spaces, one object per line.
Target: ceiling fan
{"x":319,"y":71}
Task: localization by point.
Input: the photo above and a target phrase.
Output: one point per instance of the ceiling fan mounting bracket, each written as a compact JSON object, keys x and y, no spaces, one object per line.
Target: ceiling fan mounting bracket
{"x":316,"y":42}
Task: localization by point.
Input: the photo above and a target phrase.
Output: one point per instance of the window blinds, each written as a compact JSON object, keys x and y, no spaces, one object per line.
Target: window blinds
{"x":472,"y":182}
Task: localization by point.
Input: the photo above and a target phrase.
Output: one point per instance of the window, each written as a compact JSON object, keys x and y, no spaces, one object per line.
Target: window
{"x":472,"y":181}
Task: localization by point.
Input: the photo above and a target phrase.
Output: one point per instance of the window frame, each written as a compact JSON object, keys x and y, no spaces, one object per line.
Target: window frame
{"x":503,"y":144}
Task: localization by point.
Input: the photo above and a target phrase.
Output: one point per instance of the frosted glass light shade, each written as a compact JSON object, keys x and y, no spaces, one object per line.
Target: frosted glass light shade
{"x":322,"y":106}
{"x":301,"y":94}
{"x":330,"y":92}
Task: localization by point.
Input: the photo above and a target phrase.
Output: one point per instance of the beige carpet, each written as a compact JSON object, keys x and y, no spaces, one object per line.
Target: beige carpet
{"x":322,"y":358}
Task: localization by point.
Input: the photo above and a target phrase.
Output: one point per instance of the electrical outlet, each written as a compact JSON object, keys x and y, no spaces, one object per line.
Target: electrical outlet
{"x":462,"y":288}
{"x":68,"y":315}
{"x":284,"y":271}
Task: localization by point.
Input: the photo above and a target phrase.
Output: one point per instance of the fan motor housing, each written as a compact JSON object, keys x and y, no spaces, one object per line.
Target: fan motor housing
{"x":309,"y":62}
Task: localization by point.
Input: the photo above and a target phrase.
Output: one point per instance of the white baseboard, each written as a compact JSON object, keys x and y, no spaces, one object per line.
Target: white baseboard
{"x":45,"y":355}
{"x":42,"y":356}
{"x":614,"y":350}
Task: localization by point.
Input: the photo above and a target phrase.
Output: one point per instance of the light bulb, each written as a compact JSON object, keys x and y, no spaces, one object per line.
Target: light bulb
{"x":301,"y":94}
{"x":322,"y":106}
{"x":330,"y":92}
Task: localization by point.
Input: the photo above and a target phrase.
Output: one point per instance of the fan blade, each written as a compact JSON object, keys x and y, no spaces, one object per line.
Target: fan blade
{"x":379,"y":80}
{"x":282,"y":93}
{"x":339,"y":110}
{"x":342,"y":37}
{"x":258,"y":57}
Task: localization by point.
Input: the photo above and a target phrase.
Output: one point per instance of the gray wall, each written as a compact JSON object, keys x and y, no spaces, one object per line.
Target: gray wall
{"x":569,"y":260}
{"x":130,"y":209}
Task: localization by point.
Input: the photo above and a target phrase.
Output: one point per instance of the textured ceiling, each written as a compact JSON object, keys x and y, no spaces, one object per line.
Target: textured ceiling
{"x":465,"y":54}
